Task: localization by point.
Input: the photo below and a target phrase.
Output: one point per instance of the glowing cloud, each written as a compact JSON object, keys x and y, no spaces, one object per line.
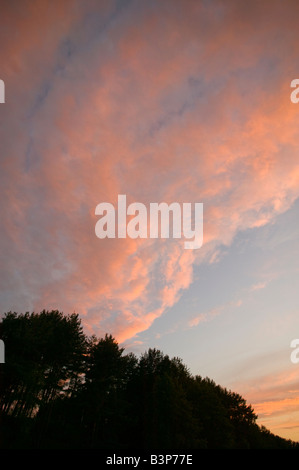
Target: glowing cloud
{"x":152,"y":100}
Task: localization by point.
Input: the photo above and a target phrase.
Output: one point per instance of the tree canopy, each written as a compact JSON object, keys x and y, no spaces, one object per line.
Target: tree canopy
{"x":61,"y":389}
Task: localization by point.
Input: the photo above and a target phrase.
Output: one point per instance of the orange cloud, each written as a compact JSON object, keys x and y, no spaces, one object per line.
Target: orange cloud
{"x":274,"y":396}
{"x":180,"y":107}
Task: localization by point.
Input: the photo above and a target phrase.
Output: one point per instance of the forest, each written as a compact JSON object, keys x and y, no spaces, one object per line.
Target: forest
{"x":62,"y":389}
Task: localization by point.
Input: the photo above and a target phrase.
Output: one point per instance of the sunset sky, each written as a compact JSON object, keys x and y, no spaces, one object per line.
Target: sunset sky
{"x":161,"y":101}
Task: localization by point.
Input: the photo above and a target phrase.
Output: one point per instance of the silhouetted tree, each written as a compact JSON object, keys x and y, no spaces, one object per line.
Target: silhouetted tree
{"x":164,"y":416}
{"x":43,"y":355}
{"x":63,"y":390}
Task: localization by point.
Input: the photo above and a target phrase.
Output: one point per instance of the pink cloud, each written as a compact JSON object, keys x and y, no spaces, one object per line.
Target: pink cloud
{"x":159,"y":110}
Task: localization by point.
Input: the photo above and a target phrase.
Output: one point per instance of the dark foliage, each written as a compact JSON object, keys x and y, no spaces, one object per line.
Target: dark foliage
{"x":63,"y":390}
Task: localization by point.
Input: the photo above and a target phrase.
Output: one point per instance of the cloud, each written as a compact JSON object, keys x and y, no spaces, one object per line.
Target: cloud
{"x":258,"y":286}
{"x":159,"y":102}
{"x":276,"y":407}
{"x":207,"y":316}
{"x":273,"y":394}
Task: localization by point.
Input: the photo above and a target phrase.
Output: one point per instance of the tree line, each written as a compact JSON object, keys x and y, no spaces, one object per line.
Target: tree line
{"x":62,"y":389}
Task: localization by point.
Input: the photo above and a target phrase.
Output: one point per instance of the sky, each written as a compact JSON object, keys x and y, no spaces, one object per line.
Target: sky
{"x":183,"y":101}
